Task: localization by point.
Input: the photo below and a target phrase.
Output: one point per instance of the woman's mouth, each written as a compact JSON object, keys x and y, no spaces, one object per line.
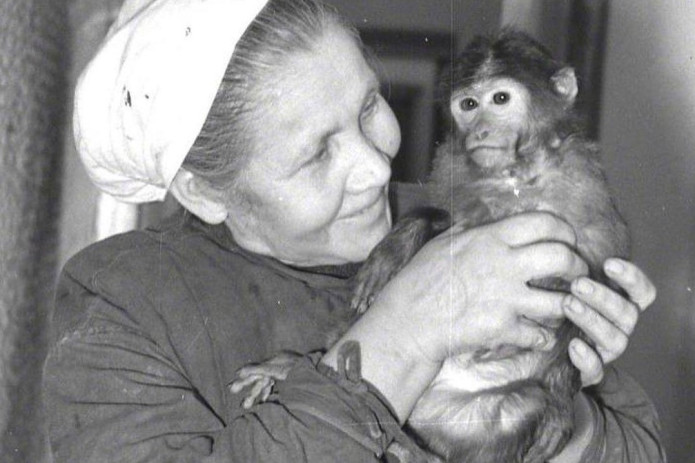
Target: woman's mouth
{"x":373,"y":207}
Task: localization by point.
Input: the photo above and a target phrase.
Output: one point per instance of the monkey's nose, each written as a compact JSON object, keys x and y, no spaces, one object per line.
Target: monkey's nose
{"x":482,"y":134}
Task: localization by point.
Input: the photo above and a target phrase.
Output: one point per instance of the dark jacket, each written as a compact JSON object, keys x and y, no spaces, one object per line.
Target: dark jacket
{"x":151,"y":326}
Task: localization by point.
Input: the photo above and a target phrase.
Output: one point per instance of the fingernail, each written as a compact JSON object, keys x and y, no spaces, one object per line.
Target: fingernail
{"x":584,"y":286}
{"x":615,"y":267}
{"x":579,"y":348}
{"x":542,"y":341}
{"x":574,"y":306}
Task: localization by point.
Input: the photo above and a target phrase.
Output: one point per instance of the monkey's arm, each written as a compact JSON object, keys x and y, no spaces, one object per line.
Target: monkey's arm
{"x":406,"y":238}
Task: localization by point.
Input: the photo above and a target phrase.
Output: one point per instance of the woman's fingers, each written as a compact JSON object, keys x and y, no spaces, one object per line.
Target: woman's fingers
{"x":607,"y":318}
{"x":528,"y":335}
{"x":608,"y":304}
{"x":540,"y":305}
{"x":552,"y":260}
{"x":610,"y":341}
{"x":636,"y":284}
{"x":587,"y":362}
{"x":534,"y":227}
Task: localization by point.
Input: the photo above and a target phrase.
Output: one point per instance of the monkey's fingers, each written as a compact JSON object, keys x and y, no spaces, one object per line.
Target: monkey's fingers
{"x":381,"y":266}
{"x":239,"y":384}
{"x":266,"y":392}
{"x":260,"y":391}
{"x":362,"y":298}
{"x":394,"y":252}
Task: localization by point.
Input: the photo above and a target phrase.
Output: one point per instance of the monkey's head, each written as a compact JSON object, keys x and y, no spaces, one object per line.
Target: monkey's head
{"x":507,"y":96}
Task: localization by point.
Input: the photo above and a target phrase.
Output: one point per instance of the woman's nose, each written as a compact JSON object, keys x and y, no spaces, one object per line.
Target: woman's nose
{"x":370,"y":168}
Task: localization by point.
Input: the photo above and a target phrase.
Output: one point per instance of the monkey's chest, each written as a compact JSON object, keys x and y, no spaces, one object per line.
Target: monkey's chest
{"x":486,"y":200}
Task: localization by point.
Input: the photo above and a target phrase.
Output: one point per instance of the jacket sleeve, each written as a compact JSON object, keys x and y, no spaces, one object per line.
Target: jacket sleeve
{"x":113,"y":395}
{"x":627,"y":428}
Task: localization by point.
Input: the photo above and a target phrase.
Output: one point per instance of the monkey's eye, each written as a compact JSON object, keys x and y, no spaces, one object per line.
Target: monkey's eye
{"x":468,"y":104}
{"x":501,"y":98}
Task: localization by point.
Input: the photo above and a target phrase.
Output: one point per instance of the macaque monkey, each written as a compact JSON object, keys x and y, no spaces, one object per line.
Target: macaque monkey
{"x":515,"y":145}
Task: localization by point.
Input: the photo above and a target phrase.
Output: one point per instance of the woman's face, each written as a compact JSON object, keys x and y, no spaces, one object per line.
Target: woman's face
{"x":314,"y":190}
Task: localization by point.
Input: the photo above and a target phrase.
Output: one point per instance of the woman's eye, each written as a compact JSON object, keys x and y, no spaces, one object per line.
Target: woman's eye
{"x":321,"y":155}
{"x":468,"y":104}
{"x":501,"y":98}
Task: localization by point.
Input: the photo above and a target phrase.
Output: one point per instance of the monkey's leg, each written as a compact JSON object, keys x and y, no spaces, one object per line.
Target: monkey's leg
{"x":554,"y":428}
{"x":393,"y":252}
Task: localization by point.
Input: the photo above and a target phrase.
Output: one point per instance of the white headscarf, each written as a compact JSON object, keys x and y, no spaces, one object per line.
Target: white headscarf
{"x":142,"y":100}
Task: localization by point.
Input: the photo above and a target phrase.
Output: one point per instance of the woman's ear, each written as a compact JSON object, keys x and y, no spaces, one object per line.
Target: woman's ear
{"x":198,"y":198}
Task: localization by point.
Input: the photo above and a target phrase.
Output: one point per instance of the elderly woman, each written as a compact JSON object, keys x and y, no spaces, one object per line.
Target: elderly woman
{"x":264,"y":120}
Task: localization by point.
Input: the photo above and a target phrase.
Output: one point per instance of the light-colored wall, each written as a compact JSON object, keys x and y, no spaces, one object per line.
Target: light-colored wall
{"x":648,"y":135}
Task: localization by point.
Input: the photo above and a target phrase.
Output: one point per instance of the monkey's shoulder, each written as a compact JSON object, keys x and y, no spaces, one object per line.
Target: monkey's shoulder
{"x":577,"y":165}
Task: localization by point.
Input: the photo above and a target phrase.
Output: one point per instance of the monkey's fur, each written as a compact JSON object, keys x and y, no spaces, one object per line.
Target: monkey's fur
{"x":500,"y":407}
{"x":523,"y":151}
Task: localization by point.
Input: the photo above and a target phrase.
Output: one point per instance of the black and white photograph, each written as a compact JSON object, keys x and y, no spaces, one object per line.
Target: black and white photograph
{"x":347,"y":231}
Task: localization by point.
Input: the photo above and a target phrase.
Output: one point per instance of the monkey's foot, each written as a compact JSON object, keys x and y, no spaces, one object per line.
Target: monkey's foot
{"x":261,"y":378}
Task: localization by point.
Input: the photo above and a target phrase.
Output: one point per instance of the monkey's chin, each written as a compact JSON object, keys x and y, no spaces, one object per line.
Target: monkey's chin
{"x":493,"y":158}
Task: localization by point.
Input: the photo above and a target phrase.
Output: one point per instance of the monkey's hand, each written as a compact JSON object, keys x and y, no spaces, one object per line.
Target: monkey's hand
{"x":406,"y":238}
{"x":261,"y":377}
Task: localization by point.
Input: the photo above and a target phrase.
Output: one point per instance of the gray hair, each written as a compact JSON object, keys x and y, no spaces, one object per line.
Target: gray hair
{"x":283,"y":27}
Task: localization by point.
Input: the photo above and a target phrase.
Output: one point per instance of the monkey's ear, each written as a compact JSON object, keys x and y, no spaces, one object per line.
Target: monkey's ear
{"x":198,"y":198}
{"x":565,"y":84}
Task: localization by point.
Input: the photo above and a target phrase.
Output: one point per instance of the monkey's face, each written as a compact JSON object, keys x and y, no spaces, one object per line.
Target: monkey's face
{"x":492,"y":116}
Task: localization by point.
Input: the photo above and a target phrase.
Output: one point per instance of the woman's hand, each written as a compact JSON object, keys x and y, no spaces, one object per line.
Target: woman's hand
{"x":606,"y":317}
{"x":463,"y":291}
{"x":467,"y":290}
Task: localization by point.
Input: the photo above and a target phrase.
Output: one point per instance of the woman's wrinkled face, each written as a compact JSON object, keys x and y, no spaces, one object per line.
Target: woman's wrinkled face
{"x":315,"y":187}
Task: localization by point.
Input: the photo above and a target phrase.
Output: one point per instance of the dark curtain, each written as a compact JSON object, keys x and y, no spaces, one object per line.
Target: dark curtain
{"x":585,"y":51}
{"x":33,"y":42}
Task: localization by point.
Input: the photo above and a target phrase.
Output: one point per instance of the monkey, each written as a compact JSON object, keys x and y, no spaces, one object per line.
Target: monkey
{"x":515,"y":144}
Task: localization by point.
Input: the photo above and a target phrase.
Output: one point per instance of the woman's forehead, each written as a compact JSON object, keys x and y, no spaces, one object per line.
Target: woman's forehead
{"x":318,"y":85}
{"x":335,"y":51}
